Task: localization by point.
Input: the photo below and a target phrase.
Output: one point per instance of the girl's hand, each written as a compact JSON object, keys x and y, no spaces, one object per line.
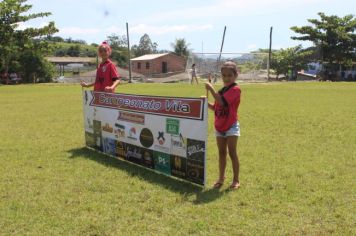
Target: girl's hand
{"x":83,"y":84}
{"x":209,"y":86}
{"x":109,"y":89}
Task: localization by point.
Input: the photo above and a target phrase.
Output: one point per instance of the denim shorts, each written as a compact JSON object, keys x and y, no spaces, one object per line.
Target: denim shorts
{"x":233,"y":131}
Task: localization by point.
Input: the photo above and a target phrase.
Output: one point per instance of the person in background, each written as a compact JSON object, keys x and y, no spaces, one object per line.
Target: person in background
{"x":194,"y":75}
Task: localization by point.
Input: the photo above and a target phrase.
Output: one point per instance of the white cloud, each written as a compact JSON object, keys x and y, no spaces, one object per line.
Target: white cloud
{"x":23,"y":25}
{"x":80,"y":31}
{"x":251,"y":47}
{"x":135,"y":29}
{"x":223,"y":8}
{"x":166,"y":29}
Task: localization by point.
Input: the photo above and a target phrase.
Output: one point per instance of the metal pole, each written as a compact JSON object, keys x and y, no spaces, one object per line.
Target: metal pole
{"x":222,"y":44}
{"x":221,"y":48}
{"x":269,"y":54}
{"x":128,"y":49}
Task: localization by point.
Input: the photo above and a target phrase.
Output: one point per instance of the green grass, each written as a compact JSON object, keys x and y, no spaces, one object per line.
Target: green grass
{"x":297,"y":154}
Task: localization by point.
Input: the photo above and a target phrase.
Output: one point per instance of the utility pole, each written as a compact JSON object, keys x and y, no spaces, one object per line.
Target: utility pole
{"x":269,"y":54}
{"x":128,"y":49}
{"x":221,"y":48}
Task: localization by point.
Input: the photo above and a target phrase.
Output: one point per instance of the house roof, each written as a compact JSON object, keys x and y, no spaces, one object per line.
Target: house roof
{"x":149,"y":57}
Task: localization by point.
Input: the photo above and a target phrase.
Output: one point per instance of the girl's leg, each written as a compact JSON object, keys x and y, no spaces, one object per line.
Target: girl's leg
{"x":222,"y":147}
{"x":196,"y":79}
{"x":232,"y":143}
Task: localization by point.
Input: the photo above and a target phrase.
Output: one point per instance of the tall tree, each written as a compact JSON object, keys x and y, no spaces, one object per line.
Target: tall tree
{"x":145,"y":46}
{"x":118,"y":45}
{"x":116,"y":41}
{"x":12,"y":39}
{"x":333,"y":36}
{"x":180,"y":47}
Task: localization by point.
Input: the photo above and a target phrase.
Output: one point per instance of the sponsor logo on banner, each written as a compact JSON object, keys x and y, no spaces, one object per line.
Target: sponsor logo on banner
{"x":107,"y":128}
{"x":131,"y":117}
{"x":160,"y":138}
{"x":109,"y":146}
{"x":120,"y":149}
{"x":146,"y":138}
{"x":119,"y":131}
{"x":178,"y":145}
{"x":162,"y":144}
{"x":98,"y":135}
{"x":89,"y":139}
{"x":162,"y":162}
{"x":179,"y":166}
{"x":189,"y":108}
{"x":132,"y":133}
{"x":195,"y":149}
{"x":89,"y":125}
{"x":133,"y":154}
{"x":148,"y":158}
{"x":195,"y":171}
{"x":172,"y":126}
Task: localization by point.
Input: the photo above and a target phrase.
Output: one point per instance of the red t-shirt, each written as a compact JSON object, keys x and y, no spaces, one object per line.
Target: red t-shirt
{"x":226,"y":116}
{"x":106,"y":74}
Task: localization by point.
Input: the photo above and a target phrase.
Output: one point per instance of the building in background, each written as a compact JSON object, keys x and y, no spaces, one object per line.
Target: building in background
{"x":158,"y":64}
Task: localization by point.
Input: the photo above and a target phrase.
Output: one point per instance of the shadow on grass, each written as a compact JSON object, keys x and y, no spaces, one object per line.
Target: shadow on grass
{"x":184,"y":188}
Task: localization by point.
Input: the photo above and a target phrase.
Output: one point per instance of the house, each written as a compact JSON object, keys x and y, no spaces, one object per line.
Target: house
{"x":156,"y":64}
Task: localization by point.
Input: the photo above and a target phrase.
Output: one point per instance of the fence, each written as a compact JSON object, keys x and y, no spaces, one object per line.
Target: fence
{"x":169,"y":68}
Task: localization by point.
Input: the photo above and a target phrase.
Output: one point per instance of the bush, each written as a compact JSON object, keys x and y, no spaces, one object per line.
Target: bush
{"x":35,"y":68}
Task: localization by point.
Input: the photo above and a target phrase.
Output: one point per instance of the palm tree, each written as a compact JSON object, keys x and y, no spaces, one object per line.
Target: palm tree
{"x":180,"y":47}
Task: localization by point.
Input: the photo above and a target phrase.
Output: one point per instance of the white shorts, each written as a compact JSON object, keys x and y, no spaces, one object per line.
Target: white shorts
{"x":233,"y":131}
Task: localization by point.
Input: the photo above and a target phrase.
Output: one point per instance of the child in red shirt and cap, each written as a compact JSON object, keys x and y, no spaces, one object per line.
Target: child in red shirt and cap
{"x":227,"y":125}
{"x":107,"y":77}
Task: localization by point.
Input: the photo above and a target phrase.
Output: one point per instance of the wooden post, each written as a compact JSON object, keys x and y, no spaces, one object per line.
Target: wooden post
{"x":269,"y":54}
{"x":128,"y":49}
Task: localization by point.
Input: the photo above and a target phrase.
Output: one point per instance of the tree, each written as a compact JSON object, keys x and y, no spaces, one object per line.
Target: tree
{"x":145,"y":46}
{"x":294,"y":59}
{"x":180,"y":47}
{"x":334,"y":36}
{"x":73,"y":51}
{"x":14,"y":41}
{"x":118,"y":45}
{"x":56,"y":39}
{"x":35,"y":67}
{"x":117,"y":41}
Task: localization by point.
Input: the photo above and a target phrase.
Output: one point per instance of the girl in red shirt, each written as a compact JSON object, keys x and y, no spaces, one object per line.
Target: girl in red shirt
{"x":227,"y":125}
{"x":107,"y":77}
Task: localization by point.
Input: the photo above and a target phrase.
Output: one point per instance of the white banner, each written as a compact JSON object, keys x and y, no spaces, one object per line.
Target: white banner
{"x":166,"y":134}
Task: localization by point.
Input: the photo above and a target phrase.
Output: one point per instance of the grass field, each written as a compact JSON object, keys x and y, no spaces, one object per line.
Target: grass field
{"x":297,"y":154}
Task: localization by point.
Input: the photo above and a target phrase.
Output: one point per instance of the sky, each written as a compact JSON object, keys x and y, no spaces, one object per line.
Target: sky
{"x":200,"y":22}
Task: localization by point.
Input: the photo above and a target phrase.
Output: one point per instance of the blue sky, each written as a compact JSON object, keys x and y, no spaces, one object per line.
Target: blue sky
{"x":200,"y":22}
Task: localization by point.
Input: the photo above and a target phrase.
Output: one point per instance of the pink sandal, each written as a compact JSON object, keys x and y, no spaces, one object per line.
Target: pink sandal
{"x":235,"y":185}
{"x":219,"y":183}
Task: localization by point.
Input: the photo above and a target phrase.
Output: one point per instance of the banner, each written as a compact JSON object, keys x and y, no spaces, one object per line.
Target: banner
{"x":166,"y":134}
